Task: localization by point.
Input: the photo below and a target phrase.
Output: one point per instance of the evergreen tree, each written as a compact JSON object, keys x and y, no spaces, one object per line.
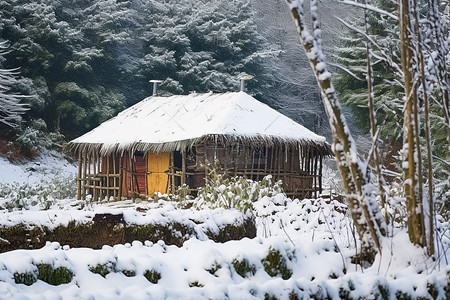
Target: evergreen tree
{"x":10,"y":106}
{"x":351,"y":83}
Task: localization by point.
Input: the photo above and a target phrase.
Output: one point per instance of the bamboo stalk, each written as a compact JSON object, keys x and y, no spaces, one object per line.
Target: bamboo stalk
{"x":172,"y":168}
{"x":235,"y":158}
{"x":266,"y":150}
{"x":114,"y":178}
{"x":107,"y":177}
{"x":245,"y":160}
{"x":183,"y":166}
{"x":79,"y":175}
{"x":84,"y":174}
{"x":119,"y":196}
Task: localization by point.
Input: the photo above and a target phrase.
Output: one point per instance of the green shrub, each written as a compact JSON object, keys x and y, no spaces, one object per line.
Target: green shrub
{"x":61,"y":275}
{"x":195,"y":284}
{"x":234,"y":192}
{"x":268,"y":296}
{"x":275,"y":265}
{"x":214,"y":268}
{"x":44,"y":272}
{"x":129,"y":273}
{"x":103,"y":269}
{"x":384,"y":292}
{"x":152,"y":276}
{"x":399,"y":295}
{"x":42,"y":194}
{"x":243,"y":267}
{"x":27,"y":278}
{"x":344,"y":292}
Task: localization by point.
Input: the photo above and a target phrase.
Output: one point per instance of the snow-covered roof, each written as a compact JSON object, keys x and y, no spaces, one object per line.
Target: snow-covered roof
{"x":176,"y":122}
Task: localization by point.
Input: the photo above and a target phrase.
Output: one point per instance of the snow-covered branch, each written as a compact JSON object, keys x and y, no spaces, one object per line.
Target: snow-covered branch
{"x":384,"y":56}
{"x":369,"y":7}
{"x":10,"y":106}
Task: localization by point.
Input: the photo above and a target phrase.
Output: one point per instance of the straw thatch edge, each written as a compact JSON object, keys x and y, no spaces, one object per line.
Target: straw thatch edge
{"x":269,"y":141}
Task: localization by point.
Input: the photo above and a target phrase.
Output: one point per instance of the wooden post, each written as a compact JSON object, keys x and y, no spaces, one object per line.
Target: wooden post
{"x":79,"y":175}
{"x":266,"y":149}
{"x":107,"y":177}
{"x":279,"y":160}
{"x":119,"y":196}
{"x":172,"y":168}
{"x":183,"y":166}
{"x":114,"y":172}
{"x":84,"y":174}
{"x":315,"y":176}
{"x":252,"y":163}
{"x":320,"y":174}
{"x":245,"y":161}
{"x":259,"y":163}
{"x":235,"y":158}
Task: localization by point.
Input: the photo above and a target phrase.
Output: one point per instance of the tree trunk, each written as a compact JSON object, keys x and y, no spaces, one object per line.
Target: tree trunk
{"x":373,"y":125}
{"x":364,"y":208}
{"x":411,"y":149}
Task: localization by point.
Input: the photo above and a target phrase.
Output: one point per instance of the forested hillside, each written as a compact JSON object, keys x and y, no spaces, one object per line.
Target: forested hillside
{"x":81,"y":62}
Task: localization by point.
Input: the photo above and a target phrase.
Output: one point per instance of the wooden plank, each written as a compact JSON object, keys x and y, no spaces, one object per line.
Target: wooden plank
{"x":183,"y":165}
{"x":172,"y":172}
{"x":266,"y":155}
{"x":245,"y":160}
{"x":320,"y":173}
{"x":119,"y":193}
{"x":236,"y":157}
{"x":157,"y":167}
{"x":79,"y":175}
{"x":84,"y":174}
{"x":107,"y":177}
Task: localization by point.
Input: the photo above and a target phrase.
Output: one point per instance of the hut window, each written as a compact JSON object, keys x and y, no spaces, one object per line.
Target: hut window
{"x":177,"y":159}
{"x":259,"y":158}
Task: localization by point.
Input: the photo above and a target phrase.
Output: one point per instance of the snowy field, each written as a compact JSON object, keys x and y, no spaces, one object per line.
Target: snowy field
{"x":303,"y":249}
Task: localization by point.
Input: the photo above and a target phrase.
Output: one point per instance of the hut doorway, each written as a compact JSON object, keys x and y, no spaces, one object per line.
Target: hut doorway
{"x":157,"y":168}
{"x":139,"y":165}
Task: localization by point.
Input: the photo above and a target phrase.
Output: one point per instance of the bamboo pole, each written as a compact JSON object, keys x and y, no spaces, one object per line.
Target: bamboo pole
{"x":252,"y":161}
{"x":94,"y":173}
{"x":119,"y":196}
{"x":183,"y":166}
{"x":107,"y":177}
{"x":315,"y":176}
{"x":266,"y":151}
{"x":259,"y":161}
{"x":79,"y":176}
{"x":84,"y":175}
{"x":320,"y":173}
{"x":279,"y":160}
{"x":235,"y":158}
{"x":245,"y":161}
{"x":172,"y":168}
{"x":114,"y":172}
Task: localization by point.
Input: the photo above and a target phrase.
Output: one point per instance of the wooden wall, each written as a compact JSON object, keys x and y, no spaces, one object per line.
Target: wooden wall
{"x":125,"y":174}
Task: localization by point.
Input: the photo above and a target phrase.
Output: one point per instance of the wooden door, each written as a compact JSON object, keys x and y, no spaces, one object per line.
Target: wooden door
{"x":157,"y":165}
{"x":139,"y":165}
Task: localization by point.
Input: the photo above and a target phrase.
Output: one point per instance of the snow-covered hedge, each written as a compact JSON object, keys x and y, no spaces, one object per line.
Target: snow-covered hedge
{"x":303,"y":250}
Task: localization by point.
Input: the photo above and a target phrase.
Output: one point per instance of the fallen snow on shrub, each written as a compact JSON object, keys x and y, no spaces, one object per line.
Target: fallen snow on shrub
{"x":303,"y":248}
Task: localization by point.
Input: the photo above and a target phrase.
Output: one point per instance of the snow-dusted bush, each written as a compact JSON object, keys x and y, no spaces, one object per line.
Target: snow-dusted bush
{"x":43,"y":194}
{"x":36,"y":136}
{"x":235,"y":192}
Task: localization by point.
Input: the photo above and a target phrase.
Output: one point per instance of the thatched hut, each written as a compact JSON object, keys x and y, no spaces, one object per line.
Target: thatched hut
{"x":163,"y":142}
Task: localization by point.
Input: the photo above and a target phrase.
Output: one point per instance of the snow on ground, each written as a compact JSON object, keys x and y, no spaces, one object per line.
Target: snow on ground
{"x":47,"y":165}
{"x":313,"y":239}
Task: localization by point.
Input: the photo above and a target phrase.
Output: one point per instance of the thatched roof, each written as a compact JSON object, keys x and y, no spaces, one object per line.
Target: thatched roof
{"x":163,"y":124}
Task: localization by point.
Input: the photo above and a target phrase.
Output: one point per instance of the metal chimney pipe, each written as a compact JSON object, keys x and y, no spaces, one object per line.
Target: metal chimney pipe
{"x":155,"y":86}
{"x":242,"y":79}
